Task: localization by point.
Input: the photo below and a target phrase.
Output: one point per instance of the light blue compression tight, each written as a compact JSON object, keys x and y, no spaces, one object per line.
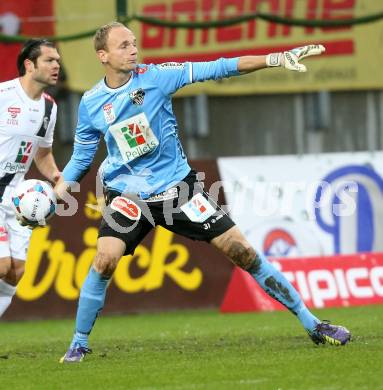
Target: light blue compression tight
{"x":90,"y":304}
{"x":93,"y":291}
{"x":279,"y":288}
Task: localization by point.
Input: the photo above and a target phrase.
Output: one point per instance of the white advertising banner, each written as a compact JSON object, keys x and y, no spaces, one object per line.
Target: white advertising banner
{"x":311,"y":205}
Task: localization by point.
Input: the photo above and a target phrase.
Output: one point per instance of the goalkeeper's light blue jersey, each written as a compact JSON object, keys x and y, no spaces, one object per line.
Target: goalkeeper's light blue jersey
{"x":145,"y":156}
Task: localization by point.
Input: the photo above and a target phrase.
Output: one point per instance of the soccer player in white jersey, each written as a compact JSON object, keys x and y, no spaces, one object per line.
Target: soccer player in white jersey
{"x":27,"y":121}
{"x":147,"y":179}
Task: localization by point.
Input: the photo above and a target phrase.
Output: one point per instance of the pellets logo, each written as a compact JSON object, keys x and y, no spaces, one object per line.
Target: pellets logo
{"x":133,"y":135}
{"x":24,"y":152}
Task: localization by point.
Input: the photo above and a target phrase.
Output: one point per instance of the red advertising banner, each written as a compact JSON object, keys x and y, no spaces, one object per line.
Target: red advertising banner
{"x":333,"y":281}
{"x":25,"y":17}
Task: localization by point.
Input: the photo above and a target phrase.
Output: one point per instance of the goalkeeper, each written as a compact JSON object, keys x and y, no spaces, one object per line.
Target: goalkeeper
{"x":147,"y":179}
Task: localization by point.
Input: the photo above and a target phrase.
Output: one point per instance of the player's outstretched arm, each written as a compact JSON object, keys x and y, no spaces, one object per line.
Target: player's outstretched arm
{"x":287,"y":59}
{"x":61,"y":189}
{"x":46,"y":164}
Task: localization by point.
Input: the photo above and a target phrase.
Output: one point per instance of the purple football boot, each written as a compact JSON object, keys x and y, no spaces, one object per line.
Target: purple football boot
{"x":75,"y":354}
{"x":324,"y":333}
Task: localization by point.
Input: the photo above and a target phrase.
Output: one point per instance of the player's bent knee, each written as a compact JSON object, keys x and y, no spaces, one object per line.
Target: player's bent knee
{"x":5,"y":266}
{"x":241,"y":255}
{"x":105,"y":263}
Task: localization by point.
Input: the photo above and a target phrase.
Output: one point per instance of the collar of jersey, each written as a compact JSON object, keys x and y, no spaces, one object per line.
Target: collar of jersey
{"x":118,"y":89}
{"x":25,"y":95}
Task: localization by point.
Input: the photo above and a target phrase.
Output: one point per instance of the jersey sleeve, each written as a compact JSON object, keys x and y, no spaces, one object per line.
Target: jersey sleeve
{"x":47,"y":141}
{"x":172,"y":76}
{"x":85,"y":147}
{"x":214,"y":70}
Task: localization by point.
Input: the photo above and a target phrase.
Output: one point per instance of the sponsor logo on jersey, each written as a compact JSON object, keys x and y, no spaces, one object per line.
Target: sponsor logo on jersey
{"x":126,"y":207}
{"x":14,"y":111}
{"x":137,"y":142}
{"x":198,"y":209}
{"x":171,"y":65}
{"x":13,"y":167}
{"x":134,"y":137}
{"x":137,"y":96}
{"x":171,"y":193}
{"x":3,"y":234}
{"x":109,"y":114}
{"x":24,"y":152}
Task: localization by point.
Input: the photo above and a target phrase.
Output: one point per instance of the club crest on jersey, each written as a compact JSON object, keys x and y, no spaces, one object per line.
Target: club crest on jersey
{"x":137,"y":96}
{"x":109,"y":114}
{"x":45,"y":122}
{"x":126,"y":207}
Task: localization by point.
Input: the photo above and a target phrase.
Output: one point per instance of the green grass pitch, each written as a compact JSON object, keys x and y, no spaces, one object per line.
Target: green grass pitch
{"x":193,"y":350}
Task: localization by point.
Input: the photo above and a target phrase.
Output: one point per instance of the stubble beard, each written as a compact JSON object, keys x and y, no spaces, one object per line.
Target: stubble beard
{"x":45,"y":81}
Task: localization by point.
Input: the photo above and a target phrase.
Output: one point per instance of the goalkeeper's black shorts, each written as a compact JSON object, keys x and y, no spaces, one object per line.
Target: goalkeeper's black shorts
{"x":184,"y":209}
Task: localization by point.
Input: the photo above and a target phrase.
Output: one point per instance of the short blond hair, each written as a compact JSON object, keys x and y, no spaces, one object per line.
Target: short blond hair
{"x":100,"y":38}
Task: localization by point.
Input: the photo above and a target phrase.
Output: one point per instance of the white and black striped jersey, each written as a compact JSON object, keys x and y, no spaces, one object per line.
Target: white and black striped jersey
{"x":25,"y":125}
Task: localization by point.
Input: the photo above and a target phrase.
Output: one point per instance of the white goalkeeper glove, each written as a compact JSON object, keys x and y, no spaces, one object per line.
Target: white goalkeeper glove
{"x":290,"y":59}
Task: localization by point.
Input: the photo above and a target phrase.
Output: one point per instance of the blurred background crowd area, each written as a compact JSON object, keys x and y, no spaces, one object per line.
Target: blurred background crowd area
{"x":337,"y":106}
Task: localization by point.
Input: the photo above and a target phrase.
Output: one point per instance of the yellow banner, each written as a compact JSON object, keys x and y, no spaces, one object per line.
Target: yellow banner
{"x":65,"y":274}
{"x":352,"y":59}
{"x":78,"y":57}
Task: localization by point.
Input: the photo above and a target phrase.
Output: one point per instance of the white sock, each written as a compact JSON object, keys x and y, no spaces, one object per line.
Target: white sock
{"x":6,"y":294}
